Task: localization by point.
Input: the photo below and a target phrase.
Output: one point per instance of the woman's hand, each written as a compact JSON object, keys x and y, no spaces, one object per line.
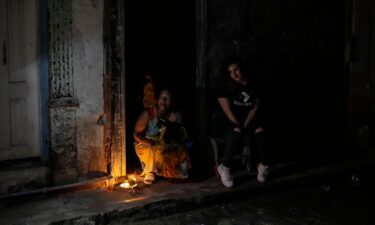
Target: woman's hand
{"x":237,"y":129}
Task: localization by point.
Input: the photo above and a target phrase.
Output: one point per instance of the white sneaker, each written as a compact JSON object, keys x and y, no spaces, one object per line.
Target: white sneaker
{"x":262,"y":172}
{"x":224,"y":173}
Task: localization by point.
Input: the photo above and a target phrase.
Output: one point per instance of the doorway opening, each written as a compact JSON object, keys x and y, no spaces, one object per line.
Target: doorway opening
{"x":159,"y":39}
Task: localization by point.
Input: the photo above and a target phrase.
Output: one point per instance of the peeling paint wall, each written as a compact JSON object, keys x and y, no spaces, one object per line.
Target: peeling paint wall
{"x":88,"y":85}
{"x":114,"y":73}
{"x":76,"y":89}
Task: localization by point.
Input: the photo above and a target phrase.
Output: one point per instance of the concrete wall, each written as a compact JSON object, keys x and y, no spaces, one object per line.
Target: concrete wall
{"x":88,"y":85}
{"x":360,"y":68}
{"x":76,"y":89}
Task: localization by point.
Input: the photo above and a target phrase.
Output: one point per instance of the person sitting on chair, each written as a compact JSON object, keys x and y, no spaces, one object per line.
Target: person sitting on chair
{"x":240,"y":102}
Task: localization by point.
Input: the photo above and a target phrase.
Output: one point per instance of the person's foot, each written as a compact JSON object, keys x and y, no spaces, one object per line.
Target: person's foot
{"x":149,"y":178}
{"x":224,"y":174}
{"x":262,"y":172}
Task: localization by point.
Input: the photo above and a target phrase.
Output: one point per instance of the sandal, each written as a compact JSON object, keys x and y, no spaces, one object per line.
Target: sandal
{"x":149,"y":178}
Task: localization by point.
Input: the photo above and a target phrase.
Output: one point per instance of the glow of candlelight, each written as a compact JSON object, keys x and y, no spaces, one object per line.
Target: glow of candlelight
{"x":125,"y":184}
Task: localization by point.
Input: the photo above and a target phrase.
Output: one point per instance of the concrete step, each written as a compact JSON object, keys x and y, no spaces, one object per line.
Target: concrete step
{"x":22,"y":175}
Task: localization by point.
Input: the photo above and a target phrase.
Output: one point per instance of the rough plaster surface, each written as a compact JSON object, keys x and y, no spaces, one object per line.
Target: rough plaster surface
{"x":88,"y":85}
{"x":22,"y":179}
{"x":63,"y":139}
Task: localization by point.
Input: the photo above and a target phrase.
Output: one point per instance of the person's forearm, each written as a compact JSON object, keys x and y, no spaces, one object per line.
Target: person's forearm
{"x":144,"y":140}
{"x":252,"y":113}
{"x":225,"y":106}
{"x":231,"y":117}
{"x":250,"y":116}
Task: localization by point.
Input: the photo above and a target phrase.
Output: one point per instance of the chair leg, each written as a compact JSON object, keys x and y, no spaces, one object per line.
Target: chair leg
{"x":245,"y":154}
{"x":215,"y":149}
{"x":246,"y":158}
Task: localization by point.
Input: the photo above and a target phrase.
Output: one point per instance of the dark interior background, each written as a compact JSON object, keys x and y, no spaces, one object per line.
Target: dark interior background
{"x":296,"y":48}
{"x":159,"y":38}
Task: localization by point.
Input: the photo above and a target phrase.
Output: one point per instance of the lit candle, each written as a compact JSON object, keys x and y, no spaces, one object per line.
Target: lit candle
{"x":125,"y":184}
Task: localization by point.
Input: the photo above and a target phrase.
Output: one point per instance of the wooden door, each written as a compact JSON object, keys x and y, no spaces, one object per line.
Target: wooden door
{"x":19,"y":82}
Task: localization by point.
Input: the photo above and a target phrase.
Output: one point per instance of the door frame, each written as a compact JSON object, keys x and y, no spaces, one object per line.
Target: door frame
{"x":43,"y":82}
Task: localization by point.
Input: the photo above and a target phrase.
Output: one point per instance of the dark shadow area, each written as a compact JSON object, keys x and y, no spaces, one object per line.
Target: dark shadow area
{"x":305,"y":93}
{"x":159,"y":38}
{"x":296,"y":51}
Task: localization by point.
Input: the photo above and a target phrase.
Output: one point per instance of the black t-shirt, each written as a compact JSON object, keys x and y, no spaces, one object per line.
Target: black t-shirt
{"x":241,"y":98}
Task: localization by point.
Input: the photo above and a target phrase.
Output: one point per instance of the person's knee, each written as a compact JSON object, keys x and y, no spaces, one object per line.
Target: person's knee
{"x":259,"y":130}
{"x":235,"y":133}
{"x":237,"y":130}
{"x":141,"y":149}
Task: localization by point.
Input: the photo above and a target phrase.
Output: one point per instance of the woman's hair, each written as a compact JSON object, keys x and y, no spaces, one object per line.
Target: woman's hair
{"x":230,"y":61}
{"x":233,"y":60}
{"x":247,"y":66}
{"x":160,"y":87}
{"x":165,"y":86}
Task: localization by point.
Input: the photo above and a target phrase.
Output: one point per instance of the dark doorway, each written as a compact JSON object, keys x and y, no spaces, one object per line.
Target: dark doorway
{"x":159,"y":38}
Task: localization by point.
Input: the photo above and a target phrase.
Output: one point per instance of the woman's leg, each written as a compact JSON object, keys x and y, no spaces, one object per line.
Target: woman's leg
{"x":222,"y":128}
{"x":147,"y":157}
{"x":259,"y":145}
{"x":232,"y":142}
{"x":263,"y":165}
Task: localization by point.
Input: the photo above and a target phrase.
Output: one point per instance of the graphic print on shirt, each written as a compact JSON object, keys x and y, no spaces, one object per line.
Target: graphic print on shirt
{"x":243,"y":99}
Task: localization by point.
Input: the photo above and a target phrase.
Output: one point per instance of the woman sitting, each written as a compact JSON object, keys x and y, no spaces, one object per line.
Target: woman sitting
{"x":160,"y":141}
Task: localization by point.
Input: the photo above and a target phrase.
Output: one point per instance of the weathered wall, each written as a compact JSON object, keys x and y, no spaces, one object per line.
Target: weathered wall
{"x":114,"y":88}
{"x":76,"y":89}
{"x":88,"y":85}
{"x":372,"y":84}
{"x":361,"y":75}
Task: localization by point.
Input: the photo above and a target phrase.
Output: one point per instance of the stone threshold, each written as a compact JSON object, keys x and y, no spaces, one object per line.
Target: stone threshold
{"x":22,"y":175}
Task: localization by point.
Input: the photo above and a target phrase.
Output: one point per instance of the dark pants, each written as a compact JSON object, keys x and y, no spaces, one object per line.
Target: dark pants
{"x":221,"y":127}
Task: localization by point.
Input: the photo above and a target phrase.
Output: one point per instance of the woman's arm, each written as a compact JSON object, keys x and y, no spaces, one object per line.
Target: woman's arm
{"x":225,"y":106}
{"x":140,"y":129}
{"x":175,"y":117}
{"x":252,"y":113}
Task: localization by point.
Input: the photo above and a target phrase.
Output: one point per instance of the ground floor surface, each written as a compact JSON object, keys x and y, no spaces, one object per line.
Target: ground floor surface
{"x":339,"y":201}
{"x":294,"y":194}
